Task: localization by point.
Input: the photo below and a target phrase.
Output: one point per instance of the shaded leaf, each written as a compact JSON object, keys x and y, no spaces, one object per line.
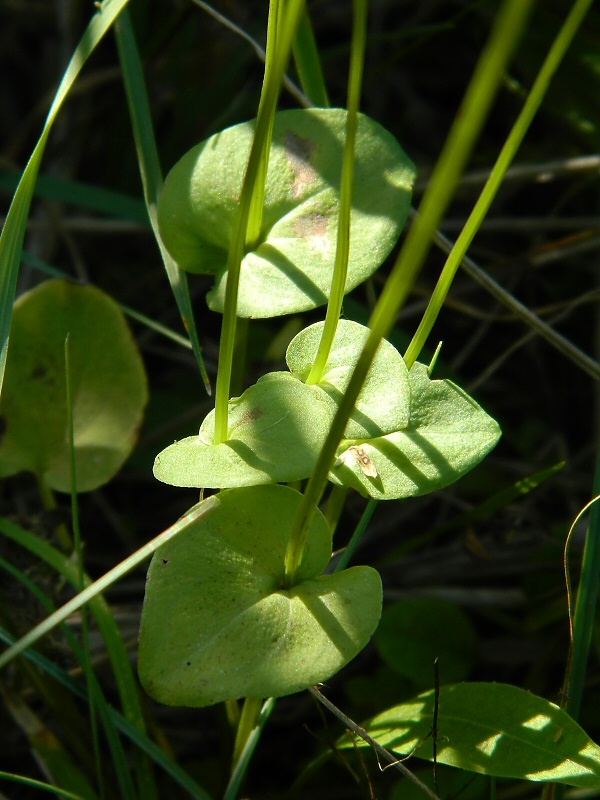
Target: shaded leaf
{"x":495,"y":729}
{"x":414,"y":632}
{"x":108,"y":386}
{"x":276,"y":430}
{"x":218,"y":623}
{"x":291,"y":267}
{"x":383,"y":404}
{"x":448,"y":434}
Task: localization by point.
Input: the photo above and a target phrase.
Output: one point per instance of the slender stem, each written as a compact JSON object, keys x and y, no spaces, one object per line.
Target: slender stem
{"x":585,"y":608}
{"x":357,"y":535}
{"x":392,"y":760}
{"x":247,"y":723}
{"x":446,"y":175}
{"x":342,"y":252}
{"x":242,"y":763}
{"x":284,"y":25}
{"x":495,"y":179}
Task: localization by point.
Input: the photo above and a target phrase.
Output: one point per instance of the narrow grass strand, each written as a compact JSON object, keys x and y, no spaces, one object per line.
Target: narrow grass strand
{"x":143,"y":132}
{"x":342,"y":250}
{"x":585,"y":608}
{"x":242,"y":763}
{"x":507,"y":153}
{"x":469,"y":121}
{"x":136,"y":737}
{"x":308,"y":64}
{"x":43,"y":787}
{"x":11,"y":240}
{"x":94,"y":589}
{"x":285,"y":27}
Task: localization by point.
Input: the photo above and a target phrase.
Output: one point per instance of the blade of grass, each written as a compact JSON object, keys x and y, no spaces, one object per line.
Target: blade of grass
{"x":509,"y":150}
{"x":308,"y":63}
{"x":585,"y":607}
{"x":92,"y":591}
{"x":143,"y":132}
{"x":11,"y":240}
{"x":43,"y":787}
{"x":137,"y":738}
{"x":469,"y":121}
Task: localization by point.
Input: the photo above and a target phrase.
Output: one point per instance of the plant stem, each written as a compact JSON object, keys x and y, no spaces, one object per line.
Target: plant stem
{"x":459,"y":144}
{"x":282,"y":26}
{"x":357,"y":535}
{"x":342,"y":252}
{"x":246,"y":724}
{"x":494,"y":181}
{"x":241,"y":765}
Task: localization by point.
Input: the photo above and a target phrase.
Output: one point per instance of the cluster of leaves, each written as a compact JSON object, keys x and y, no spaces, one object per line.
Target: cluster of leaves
{"x":222,"y":618}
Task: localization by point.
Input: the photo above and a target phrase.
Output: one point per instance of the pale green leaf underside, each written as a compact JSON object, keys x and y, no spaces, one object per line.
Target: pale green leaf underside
{"x":447,"y":435}
{"x":217,"y":624}
{"x":291,"y":268}
{"x":383,"y":405}
{"x":276,"y":431}
{"x":495,"y":729}
{"x":108,"y":386}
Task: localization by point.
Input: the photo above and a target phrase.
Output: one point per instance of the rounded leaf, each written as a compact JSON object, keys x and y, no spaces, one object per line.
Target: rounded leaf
{"x":276,"y":430}
{"x":291,"y":268}
{"x":447,"y":435}
{"x":495,"y":729}
{"x":219,"y":624}
{"x":413,"y":633}
{"x":107,"y":378}
{"x":383,"y":404}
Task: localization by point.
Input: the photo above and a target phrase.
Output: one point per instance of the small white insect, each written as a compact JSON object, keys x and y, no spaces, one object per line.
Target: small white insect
{"x":360,"y":455}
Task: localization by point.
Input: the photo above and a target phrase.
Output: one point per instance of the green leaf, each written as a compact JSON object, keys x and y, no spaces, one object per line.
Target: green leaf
{"x":414,"y":632}
{"x":290,"y":268}
{"x":495,"y":729}
{"x":448,"y":434}
{"x":108,"y":385}
{"x":383,"y":405}
{"x":217,"y":622}
{"x":276,"y":430}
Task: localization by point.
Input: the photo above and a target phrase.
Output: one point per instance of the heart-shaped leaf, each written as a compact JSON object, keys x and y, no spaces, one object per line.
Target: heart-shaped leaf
{"x":276,"y":431}
{"x":447,"y":435}
{"x":383,"y":405}
{"x":290,"y":269}
{"x":495,"y":729}
{"x":219,"y":624}
{"x":107,"y":378}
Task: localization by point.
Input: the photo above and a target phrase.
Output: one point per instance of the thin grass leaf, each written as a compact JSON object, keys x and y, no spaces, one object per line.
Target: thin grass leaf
{"x":91,"y":594}
{"x":11,"y":240}
{"x":139,"y":109}
{"x":43,"y":787}
{"x":115,"y":646}
{"x":308,"y":63}
{"x":139,"y":739}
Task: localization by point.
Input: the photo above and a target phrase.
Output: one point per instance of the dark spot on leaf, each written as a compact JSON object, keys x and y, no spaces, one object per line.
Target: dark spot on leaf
{"x":165,"y":561}
{"x":188,"y":663}
{"x":314,"y":227}
{"x":39,"y":372}
{"x":299,"y":151}
{"x":250,"y":416}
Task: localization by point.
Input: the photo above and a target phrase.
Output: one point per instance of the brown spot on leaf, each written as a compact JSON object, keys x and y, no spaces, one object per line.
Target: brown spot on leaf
{"x":298,"y":152}
{"x":314,"y":227}
{"x":250,"y":416}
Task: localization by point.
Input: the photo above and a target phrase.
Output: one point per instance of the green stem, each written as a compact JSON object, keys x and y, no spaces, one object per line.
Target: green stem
{"x":459,"y":144}
{"x":585,"y":608}
{"x":241,"y":765}
{"x":342,"y":252}
{"x":282,"y":27}
{"x":357,"y":535}
{"x":493,"y":183}
{"x":248,"y":719}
